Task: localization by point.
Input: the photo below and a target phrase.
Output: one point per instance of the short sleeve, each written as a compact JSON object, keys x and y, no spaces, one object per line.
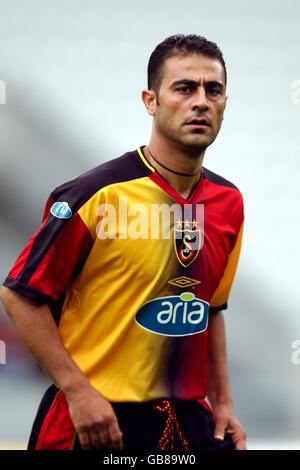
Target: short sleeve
{"x":45,"y":266}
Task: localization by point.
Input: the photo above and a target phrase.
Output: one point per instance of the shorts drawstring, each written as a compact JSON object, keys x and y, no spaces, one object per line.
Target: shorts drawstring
{"x":172,"y":425}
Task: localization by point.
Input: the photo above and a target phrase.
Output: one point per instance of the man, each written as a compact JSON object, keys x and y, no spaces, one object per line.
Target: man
{"x":119,"y":294}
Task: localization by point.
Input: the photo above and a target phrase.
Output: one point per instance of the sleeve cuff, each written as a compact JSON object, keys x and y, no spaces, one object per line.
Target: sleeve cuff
{"x":217,"y":309}
{"x":26,"y":291}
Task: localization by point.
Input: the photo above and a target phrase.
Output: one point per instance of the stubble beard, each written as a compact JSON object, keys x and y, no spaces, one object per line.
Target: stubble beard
{"x":189,"y":143}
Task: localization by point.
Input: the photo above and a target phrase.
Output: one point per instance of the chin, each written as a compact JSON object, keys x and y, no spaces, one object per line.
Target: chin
{"x":197,"y":141}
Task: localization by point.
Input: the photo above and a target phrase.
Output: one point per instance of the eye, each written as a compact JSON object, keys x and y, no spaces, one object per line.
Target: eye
{"x":184,"y":89}
{"x":213,"y":91}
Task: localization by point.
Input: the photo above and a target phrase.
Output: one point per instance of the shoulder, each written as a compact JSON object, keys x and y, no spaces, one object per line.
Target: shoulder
{"x":225,"y":194}
{"x":218,"y":184}
{"x":79,"y":190}
{"x":214,"y":178}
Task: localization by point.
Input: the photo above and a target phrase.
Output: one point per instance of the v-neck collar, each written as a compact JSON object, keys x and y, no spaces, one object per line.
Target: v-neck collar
{"x":156,"y":177}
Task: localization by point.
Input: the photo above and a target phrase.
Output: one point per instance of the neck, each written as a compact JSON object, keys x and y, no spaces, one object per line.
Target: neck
{"x":181,"y":168}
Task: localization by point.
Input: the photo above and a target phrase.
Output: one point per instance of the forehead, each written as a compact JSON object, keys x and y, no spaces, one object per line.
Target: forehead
{"x":195,"y":67}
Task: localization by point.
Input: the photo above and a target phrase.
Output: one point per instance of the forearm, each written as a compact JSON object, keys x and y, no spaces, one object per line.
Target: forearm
{"x":92,"y":415}
{"x":218,"y":379}
{"x":38,"y":331}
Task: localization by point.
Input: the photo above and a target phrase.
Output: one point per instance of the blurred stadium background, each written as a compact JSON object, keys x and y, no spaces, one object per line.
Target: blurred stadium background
{"x":74,"y":71}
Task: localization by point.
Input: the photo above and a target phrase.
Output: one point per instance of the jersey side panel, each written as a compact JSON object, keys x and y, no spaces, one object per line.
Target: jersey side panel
{"x":221,"y":294}
{"x":223,"y":229}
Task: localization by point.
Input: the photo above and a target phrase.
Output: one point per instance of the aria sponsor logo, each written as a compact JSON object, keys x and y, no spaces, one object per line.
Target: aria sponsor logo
{"x":177,"y":315}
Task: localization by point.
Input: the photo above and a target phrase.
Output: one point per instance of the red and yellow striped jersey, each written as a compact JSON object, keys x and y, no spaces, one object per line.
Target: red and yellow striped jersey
{"x":131,"y":272}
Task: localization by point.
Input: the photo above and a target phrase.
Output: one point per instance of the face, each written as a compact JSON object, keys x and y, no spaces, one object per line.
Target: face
{"x":191,"y":102}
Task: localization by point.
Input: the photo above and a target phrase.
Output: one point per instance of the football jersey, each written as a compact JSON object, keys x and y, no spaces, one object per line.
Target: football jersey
{"x":131,"y":272}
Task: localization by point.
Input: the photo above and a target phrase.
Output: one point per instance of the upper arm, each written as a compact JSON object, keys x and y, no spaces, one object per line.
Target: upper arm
{"x":44,"y":268}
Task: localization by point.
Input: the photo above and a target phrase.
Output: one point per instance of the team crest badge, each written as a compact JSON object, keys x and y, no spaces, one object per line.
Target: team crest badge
{"x":187,"y":245}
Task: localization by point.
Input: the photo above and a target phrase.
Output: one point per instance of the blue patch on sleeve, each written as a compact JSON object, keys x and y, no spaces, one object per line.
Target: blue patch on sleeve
{"x":61,"y":210}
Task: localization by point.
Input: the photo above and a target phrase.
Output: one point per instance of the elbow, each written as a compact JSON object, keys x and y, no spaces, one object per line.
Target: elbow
{"x":13,"y":301}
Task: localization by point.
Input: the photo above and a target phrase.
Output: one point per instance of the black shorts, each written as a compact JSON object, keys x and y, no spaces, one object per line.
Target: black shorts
{"x":174,"y":425}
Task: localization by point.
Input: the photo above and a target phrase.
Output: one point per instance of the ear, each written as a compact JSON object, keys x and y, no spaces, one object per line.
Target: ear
{"x":149,"y":100}
{"x":226,"y":97}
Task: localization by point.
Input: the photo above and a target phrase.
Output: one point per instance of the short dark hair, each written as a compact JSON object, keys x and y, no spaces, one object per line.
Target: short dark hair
{"x":176,"y":45}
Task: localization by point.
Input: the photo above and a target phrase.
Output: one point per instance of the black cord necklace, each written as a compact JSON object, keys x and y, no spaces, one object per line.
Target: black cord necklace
{"x":173,"y":171}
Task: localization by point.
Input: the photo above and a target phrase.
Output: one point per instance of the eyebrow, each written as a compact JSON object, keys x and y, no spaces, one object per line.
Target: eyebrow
{"x":185,"y":81}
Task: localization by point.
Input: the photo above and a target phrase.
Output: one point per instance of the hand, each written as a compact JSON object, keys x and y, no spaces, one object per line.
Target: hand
{"x":226,"y":421}
{"x":94,"y":419}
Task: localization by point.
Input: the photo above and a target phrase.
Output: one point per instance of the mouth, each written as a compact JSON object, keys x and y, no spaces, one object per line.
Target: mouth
{"x":199,"y":123}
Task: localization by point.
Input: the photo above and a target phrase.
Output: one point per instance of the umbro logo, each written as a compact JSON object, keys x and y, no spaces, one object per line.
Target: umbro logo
{"x":183,"y":281}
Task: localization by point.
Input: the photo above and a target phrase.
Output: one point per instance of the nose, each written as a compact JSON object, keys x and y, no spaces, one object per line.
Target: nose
{"x":200,"y":100}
